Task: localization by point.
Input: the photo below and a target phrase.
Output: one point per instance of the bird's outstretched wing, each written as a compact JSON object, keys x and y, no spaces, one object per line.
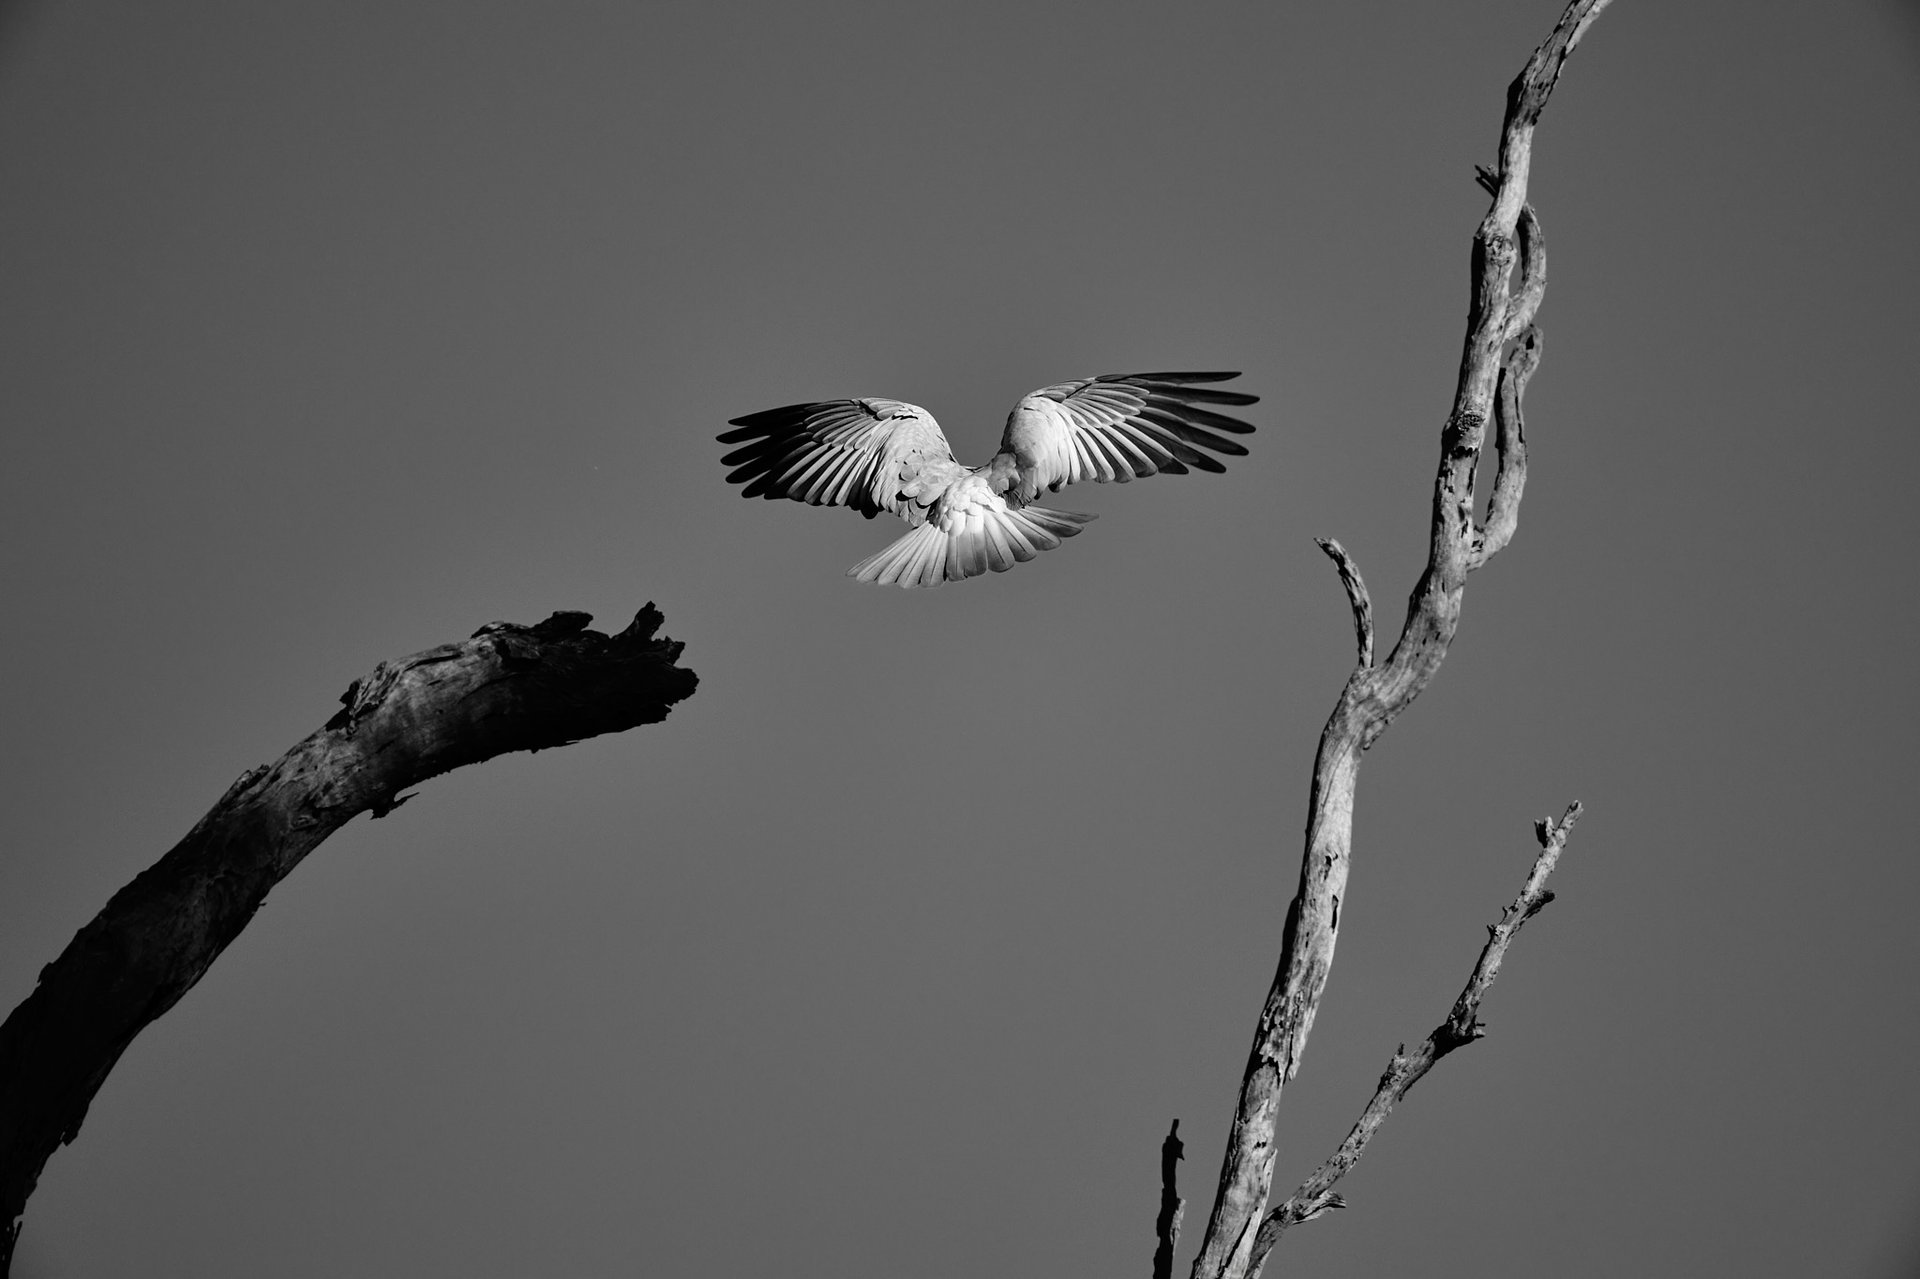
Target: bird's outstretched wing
{"x":1116,"y":427}
{"x":872,"y":455}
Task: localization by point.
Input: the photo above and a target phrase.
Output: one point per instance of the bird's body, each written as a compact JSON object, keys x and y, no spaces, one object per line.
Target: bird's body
{"x":879,"y":455}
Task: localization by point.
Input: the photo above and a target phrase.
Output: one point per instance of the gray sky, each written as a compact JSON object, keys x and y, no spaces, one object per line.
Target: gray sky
{"x":335,"y":331}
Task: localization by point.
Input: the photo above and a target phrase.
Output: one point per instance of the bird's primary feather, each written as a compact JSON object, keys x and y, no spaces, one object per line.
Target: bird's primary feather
{"x":877,"y":455}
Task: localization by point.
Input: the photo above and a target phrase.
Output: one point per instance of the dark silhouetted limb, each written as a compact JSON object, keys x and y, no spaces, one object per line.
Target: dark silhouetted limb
{"x":508,"y":688}
{"x":1166,"y":1227}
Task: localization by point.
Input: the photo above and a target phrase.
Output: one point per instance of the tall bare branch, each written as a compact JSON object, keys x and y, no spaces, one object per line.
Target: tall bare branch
{"x":1499,"y":313}
{"x":508,"y":688}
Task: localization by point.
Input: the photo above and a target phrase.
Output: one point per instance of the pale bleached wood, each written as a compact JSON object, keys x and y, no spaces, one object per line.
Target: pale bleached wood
{"x":1357,"y":598}
{"x":1462,"y":1026}
{"x":1500,"y":312}
{"x":1510,"y":435}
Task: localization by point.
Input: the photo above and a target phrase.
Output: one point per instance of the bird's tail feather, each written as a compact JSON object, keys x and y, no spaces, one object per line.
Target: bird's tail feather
{"x":993,"y":539}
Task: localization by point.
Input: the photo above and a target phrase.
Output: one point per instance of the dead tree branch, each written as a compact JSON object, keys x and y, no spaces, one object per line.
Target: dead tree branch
{"x":1498,"y":354}
{"x":1462,"y":1026}
{"x":509,"y":688}
{"x":1357,"y":598}
{"x":1166,"y":1228}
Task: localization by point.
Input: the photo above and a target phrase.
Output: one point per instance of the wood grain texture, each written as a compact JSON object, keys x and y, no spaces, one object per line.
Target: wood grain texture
{"x":507,"y":688}
{"x":1500,"y":351}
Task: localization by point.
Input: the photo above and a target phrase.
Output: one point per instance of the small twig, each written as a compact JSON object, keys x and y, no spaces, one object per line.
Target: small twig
{"x":1462,"y":1026}
{"x":1166,"y":1227}
{"x":1357,"y":596}
{"x":1510,"y":441}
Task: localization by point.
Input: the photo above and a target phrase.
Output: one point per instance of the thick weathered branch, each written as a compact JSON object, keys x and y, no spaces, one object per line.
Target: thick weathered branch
{"x":1462,"y":1026}
{"x":1375,"y":695}
{"x":1166,"y":1227}
{"x":509,"y":688}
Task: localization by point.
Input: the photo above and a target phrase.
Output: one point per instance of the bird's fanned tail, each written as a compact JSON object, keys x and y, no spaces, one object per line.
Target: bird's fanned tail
{"x":989,"y":539}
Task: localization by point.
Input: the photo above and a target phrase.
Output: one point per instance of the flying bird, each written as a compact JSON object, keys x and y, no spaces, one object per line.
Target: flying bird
{"x":879,"y":455}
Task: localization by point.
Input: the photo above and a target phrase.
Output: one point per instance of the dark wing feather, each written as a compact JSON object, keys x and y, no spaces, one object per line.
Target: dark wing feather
{"x":857,"y":453}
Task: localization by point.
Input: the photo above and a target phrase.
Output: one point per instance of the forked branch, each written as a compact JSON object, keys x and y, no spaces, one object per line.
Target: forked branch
{"x":1462,"y":1026}
{"x":1500,"y":351}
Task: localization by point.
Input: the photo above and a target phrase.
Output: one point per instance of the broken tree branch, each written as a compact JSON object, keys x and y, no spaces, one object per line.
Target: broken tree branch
{"x":1357,"y":598}
{"x":1374,"y":696}
{"x":508,"y":688}
{"x":1462,"y":1026}
{"x":1166,"y":1227}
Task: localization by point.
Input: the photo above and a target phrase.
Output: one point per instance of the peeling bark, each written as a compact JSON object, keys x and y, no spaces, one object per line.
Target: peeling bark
{"x":508,"y":688}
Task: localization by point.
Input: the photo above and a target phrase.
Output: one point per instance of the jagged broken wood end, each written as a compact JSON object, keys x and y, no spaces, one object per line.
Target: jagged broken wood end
{"x":506,"y":688}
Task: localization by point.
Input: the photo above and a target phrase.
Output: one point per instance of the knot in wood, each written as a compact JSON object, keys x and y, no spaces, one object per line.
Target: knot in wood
{"x":1463,"y":433}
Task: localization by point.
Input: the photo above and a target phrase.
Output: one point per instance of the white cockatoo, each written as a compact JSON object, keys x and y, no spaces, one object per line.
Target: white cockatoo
{"x":879,"y":455}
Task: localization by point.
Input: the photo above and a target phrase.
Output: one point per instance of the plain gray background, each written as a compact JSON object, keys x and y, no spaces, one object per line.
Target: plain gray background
{"x":334,"y":331}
